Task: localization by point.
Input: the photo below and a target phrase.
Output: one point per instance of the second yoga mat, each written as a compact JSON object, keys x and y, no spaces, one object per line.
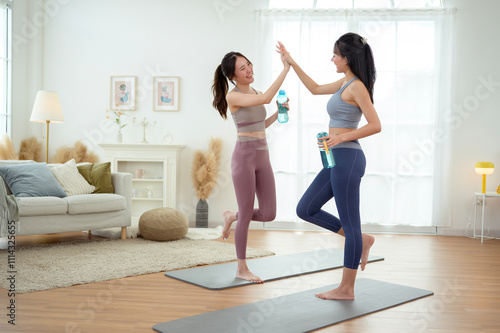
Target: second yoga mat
{"x":298,"y":312}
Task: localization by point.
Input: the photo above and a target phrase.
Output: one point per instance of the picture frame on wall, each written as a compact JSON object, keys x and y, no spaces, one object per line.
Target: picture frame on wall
{"x":165,"y":93}
{"x":123,"y":90}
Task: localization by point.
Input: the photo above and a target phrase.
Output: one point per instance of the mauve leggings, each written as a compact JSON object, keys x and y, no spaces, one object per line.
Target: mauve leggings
{"x":252,"y":175}
{"x":341,"y":182}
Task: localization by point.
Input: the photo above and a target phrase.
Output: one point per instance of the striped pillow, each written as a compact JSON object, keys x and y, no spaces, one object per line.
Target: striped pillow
{"x":71,"y":180}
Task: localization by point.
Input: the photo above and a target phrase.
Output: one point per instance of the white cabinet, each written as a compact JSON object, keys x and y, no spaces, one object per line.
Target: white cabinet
{"x":155,"y":173}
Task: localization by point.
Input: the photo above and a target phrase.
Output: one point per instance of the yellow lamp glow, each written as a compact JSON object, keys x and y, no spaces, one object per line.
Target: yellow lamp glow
{"x":484,"y":168}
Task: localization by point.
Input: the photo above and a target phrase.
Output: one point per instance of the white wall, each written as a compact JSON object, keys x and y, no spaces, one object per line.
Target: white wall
{"x":477,"y":136}
{"x":84,"y":42}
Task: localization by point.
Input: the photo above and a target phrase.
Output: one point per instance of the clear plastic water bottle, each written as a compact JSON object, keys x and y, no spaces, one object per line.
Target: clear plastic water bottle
{"x":326,"y":154}
{"x":282,"y":111}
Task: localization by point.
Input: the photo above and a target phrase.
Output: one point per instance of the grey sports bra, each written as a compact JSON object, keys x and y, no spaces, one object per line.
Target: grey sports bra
{"x":343,"y":114}
{"x":250,"y":118}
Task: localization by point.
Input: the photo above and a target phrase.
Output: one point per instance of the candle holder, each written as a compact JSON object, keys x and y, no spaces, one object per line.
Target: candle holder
{"x":144,"y":123}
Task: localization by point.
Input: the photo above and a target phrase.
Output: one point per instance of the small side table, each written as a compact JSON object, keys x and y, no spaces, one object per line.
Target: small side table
{"x":482,"y":196}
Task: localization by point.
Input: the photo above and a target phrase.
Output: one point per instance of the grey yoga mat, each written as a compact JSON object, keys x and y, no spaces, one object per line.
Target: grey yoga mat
{"x":222,"y":276}
{"x":298,"y":312}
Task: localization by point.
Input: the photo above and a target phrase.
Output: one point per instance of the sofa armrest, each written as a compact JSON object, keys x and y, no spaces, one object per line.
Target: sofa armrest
{"x":122,"y":183}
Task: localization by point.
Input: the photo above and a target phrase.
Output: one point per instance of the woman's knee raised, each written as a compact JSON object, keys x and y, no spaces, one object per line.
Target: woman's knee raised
{"x":268,"y":216}
{"x":302,"y":211}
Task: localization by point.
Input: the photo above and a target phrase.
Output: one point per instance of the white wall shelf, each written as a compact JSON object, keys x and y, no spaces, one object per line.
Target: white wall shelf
{"x":161,"y":164}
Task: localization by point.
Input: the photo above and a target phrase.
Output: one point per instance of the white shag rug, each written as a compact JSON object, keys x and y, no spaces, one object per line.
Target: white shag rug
{"x":65,"y":264}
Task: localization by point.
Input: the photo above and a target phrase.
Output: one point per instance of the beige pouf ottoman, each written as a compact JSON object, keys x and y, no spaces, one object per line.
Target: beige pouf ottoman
{"x":163,"y":224}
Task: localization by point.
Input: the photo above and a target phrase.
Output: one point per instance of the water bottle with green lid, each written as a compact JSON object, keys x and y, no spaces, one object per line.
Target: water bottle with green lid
{"x":326,"y":154}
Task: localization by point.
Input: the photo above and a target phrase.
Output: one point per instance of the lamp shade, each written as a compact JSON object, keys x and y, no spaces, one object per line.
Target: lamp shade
{"x":485,"y":168}
{"x":47,"y":108}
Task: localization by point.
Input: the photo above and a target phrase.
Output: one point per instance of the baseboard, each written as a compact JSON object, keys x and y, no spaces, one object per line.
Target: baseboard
{"x":468,"y":232}
{"x":253,"y":225}
{"x":370,"y":228}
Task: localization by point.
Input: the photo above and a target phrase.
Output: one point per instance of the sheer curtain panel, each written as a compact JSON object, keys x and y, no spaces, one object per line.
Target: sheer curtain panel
{"x":406,"y":184}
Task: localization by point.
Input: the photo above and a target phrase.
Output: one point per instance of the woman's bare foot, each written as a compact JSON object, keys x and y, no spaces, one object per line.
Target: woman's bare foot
{"x":249,"y":276}
{"x":242,"y":272}
{"x":368,"y":241}
{"x":229,"y":218}
{"x":337,"y":294}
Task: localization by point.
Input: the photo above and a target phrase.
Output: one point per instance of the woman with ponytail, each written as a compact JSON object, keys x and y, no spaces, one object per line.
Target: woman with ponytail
{"x":352,"y":96}
{"x":250,"y":166}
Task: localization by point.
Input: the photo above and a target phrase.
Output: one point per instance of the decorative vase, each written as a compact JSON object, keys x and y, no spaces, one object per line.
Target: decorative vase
{"x":119,"y":136}
{"x":202,"y":214}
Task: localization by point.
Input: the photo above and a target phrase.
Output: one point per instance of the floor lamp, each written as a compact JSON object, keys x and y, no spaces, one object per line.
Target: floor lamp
{"x":47,"y":109}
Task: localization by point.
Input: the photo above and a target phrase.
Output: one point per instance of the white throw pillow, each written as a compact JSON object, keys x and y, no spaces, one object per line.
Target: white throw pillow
{"x":70,"y":179}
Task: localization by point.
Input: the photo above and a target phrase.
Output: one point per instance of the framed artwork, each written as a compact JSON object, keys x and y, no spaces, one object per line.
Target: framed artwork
{"x":166,"y":93}
{"x":123,"y":93}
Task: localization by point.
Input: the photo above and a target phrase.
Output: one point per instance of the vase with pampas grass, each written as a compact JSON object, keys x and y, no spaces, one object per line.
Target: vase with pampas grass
{"x":204,"y":175}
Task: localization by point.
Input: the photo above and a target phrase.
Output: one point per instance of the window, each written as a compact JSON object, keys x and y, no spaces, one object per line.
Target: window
{"x":5,"y":67}
{"x":405,"y":183}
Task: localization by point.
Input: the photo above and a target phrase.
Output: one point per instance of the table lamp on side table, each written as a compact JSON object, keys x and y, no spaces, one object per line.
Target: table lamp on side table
{"x":47,"y":108}
{"x":484,"y":168}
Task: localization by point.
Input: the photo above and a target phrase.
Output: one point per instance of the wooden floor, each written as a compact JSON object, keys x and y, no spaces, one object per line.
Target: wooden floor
{"x":463,"y":273}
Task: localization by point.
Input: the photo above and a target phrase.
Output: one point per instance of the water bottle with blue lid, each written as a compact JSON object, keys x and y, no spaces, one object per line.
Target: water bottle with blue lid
{"x":282,"y":111}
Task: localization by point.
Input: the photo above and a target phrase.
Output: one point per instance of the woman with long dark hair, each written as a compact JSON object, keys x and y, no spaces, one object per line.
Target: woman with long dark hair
{"x":352,"y":96}
{"x":250,"y":166}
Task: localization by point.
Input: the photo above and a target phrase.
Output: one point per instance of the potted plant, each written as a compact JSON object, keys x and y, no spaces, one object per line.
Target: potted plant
{"x":204,"y":175}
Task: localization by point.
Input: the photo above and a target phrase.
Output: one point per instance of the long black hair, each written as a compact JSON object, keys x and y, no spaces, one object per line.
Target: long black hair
{"x":359,"y":57}
{"x":224,"y":72}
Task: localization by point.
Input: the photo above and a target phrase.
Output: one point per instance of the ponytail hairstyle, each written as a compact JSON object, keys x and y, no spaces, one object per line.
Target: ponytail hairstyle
{"x":359,"y":58}
{"x":220,"y":87}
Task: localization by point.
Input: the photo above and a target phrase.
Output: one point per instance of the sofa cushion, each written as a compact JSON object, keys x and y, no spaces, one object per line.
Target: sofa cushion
{"x":31,"y":180}
{"x":70,"y":179}
{"x":38,"y":206}
{"x":11,"y":162}
{"x":99,"y":175}
{"x":95,"y":203}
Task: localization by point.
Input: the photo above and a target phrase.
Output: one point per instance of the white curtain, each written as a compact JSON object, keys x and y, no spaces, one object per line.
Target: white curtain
{"x":406,"y":181}
{"x":5,"y":65}
{"x":4,"y":3}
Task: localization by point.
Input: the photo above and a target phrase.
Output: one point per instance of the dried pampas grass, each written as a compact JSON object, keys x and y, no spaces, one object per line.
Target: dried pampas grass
{"x":31,"y":149}
{"x":206,"y":169}
{"x":79,"y":152}
{"x":7,"y":151}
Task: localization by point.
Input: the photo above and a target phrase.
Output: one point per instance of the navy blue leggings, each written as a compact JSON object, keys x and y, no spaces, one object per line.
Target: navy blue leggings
{"x":341,"y":182}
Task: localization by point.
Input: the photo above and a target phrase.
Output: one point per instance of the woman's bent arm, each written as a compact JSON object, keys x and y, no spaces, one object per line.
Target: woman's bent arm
{"x":236,"y":100}
{"x":271,"y":119}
